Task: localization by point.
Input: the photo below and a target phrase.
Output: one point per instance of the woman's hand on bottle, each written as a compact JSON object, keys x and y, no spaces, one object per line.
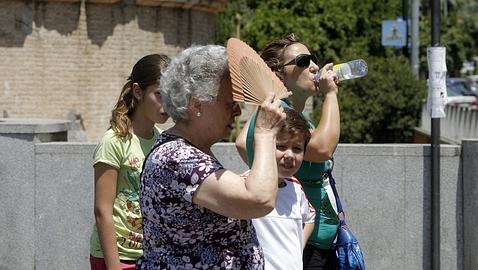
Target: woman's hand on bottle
{"x":328,"y":81}
{"x":270,"y":116}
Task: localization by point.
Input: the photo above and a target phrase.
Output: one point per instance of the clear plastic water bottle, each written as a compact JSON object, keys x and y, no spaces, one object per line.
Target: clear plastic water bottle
{"x":350,"y":70}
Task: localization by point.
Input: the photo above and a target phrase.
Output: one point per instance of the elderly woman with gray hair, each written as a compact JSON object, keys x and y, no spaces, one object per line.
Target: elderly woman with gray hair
{"x":196,"y":214}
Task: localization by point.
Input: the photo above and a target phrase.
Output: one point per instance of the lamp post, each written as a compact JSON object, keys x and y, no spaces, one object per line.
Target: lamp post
{"x":415,"y":64}
{"x":435,"y":151}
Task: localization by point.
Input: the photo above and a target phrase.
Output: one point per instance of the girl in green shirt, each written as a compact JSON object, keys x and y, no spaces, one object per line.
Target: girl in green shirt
{"x":116,"y":241}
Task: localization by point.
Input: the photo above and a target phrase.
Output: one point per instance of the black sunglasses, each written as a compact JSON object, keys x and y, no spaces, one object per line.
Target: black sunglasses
{"x":302,"y":60}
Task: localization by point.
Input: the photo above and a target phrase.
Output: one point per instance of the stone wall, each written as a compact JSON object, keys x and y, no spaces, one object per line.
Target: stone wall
{"x":48,"y":191}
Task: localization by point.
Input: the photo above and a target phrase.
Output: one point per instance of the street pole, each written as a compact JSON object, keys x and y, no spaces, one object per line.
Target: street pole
{"x":435,"y":147}
{"x":415,"y":64}
{"x":405,"y":16}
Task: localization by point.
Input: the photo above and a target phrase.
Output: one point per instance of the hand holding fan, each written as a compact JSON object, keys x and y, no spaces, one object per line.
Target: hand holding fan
{"x":252,"y":80}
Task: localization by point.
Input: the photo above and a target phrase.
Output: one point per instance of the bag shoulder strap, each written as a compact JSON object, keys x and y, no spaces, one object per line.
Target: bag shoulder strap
{"x":340,"y":210}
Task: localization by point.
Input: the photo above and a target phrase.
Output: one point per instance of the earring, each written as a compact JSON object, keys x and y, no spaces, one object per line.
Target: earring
{"x":198,"y":114}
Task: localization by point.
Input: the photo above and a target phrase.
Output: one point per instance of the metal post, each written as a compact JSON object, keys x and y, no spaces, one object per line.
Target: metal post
{"x":415,"y":64}
{"x":405,"y":16}
{"x":435,"y":147}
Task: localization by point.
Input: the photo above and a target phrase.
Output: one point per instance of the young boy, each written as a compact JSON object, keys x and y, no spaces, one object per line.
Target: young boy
{"x":284,"y":231}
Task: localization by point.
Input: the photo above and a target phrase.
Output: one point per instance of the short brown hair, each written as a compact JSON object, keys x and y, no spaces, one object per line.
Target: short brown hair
{"x":296,"y":124}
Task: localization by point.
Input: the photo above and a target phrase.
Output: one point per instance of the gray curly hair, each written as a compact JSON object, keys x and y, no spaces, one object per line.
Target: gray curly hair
{"x":195,"y":72}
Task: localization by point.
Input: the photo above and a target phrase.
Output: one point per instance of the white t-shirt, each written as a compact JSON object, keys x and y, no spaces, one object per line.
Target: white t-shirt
{"x":280,"y":232}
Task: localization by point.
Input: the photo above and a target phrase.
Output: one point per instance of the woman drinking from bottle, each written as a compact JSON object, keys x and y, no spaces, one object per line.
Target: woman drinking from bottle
{"x":293,"y":63}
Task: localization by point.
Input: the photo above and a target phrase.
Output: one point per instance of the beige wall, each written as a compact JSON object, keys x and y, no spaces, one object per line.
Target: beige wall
{"x":60,"y":57}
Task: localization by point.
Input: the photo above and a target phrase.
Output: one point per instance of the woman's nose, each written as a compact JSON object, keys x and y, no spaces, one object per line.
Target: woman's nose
{"x":313,"y":67}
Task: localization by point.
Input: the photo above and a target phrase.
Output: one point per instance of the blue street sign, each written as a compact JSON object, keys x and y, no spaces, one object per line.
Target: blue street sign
{"x":394,"y":33}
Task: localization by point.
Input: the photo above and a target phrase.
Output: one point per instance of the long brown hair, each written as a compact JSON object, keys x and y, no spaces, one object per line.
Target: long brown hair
{"x":146,"y":72}
{"x":273,"y":52}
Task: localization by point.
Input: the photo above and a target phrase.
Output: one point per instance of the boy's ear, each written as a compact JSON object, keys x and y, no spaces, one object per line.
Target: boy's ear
{"x":137,"y":91}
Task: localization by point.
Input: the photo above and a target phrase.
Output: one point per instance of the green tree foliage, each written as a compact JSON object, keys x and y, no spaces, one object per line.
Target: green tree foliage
{"x":468,"y":10}
{"x":383,"y":107}
{"x":226,"y":21}
{"x":458,"y":33}
{"x":334,"y":30}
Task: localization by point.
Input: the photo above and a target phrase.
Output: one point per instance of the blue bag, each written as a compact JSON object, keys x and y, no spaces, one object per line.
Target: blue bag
{"x":348,"y":253}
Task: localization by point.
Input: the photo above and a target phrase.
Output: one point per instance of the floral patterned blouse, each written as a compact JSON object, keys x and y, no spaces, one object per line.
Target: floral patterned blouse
{"x":179,"y":234}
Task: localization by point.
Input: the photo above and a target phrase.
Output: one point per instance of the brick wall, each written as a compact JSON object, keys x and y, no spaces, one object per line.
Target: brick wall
{"x":64,"y":57}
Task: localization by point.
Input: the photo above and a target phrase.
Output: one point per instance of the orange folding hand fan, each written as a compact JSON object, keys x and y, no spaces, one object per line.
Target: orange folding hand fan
{"x":252,"y":80}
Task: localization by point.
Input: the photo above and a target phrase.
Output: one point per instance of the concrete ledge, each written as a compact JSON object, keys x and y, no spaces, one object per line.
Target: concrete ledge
{"x":395,"y":150}
{"x":65,"y":148}
{"x":33,"y":125}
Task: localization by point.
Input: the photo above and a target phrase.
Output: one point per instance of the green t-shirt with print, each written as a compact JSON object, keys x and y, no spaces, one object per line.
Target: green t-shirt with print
{"x":127,"y":156}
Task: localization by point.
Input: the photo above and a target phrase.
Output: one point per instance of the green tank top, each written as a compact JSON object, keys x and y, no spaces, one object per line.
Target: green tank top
{"x":311,"y":176}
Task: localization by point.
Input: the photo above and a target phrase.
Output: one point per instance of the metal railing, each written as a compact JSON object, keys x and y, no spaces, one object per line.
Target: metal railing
{"x":460,"y":123}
